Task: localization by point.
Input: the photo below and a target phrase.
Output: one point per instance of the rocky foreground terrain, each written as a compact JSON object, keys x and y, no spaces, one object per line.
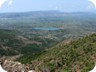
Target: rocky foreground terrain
{"x":11,"y":66}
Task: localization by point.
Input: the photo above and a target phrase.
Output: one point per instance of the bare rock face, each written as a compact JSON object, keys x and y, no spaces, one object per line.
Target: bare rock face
{"x":11,"y":66}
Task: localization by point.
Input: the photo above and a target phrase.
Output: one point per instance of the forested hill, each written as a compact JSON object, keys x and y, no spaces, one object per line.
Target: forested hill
{"x":9,"y":43}
{"x":77,"y":56}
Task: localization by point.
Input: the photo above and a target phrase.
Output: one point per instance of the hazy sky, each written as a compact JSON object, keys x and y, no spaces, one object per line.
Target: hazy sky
{"x":41,"y":5}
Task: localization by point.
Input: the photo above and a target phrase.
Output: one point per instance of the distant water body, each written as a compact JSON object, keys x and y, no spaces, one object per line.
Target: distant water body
{"x":46,"y":28}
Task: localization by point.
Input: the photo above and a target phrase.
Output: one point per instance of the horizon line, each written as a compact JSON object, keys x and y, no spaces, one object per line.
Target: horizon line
{"x":50,"y":11}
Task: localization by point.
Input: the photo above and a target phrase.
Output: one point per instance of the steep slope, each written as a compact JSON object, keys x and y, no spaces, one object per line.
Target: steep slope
{"x":13,"y":43}
{"x":78,"y":56}
{"x":9,"y":43}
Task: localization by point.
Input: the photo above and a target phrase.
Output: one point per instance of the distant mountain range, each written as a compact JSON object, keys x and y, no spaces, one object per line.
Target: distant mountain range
{"x":37,"y":14}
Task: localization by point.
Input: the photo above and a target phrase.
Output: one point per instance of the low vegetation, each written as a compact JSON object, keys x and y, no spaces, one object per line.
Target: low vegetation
{"x":77,"y":56}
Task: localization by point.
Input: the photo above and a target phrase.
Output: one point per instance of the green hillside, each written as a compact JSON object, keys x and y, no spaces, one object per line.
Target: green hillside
{"x":9,"y":43}
{"x":13,"y":43}
{"x":77,"y":56}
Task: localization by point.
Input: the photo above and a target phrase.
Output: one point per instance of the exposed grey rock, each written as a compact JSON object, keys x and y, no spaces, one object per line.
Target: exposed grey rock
{"x":11,"y":66}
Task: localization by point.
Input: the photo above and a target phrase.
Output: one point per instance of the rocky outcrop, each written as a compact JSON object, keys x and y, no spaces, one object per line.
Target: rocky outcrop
{"x":11,"y":66}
